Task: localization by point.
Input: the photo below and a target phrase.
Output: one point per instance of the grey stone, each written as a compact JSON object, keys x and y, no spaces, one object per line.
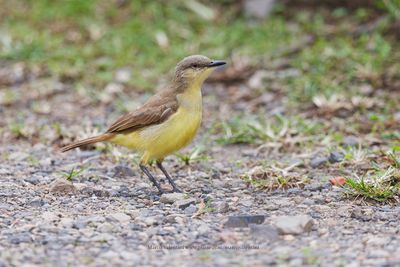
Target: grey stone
{"x":318,"y":161}
{"x":222,"y":207}
{"x":264,"y":232}
{"x":6,"y":206}
{"x":191,"y":210}
{"x":171,"y":198}
{"x":335,"y":157}
{"x":67,"y":222}
{"x":350,"y":141}
{"x":119,"y":217}
{"x":123,"y":171}
{"x":18,"y":156}
{"x":32,"y":180}
{"x":243,"y":221}
{"x":294,"y":224}
{"x":18,"y":238}
{"x":203,"y":229}
{"x":49,"y":216}
{"x":184,"y":203}
{"x":37,"y":202}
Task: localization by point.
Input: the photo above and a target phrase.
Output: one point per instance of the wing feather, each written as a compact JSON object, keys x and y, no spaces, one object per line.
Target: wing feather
{"x":156,"y":110}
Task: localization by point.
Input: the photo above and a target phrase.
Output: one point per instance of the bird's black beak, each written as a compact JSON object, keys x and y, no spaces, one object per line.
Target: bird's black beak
{"x":216,"y":63}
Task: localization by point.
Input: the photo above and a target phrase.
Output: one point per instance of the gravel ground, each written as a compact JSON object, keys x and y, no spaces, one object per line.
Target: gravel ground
{"x":112,"y":217}
{"x":109,"y":215}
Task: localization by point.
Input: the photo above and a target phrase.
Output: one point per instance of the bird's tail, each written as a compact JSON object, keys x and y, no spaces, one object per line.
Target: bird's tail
{"x":87,"y":141}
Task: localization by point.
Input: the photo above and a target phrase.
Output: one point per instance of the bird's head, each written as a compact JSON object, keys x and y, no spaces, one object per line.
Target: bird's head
{"x":196,"y":68}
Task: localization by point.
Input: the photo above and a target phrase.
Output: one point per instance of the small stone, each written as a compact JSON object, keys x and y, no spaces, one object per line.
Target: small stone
{"x":191,"y":210}
{"x":294,"y":224}
{"x":105,"y":227}
{"x":62,"y":187}
{"x":123,"y":171}
{"x":119,"y":217}
{"x":350,"y":141}
{"x":80,"y":187}
{"x":18,"y":156}
{"x":184,"y":203}
{"x":318,"y":161}
{"x":36,"y":202}
{"x":335,"y":157}
{"x":131,"y":256}
{"x":18,"y":238}
{"x":149,"y":221}
{"x":243,"y":221}
{"x":171,"y":198}
{"x":203,"y":229}
{"x":49,"y":216}
{"x":6,"y":206}
{"x":264,"y":232}
{"x":67,"y":222}
{"x":123,"y":75}
{"x":223,"y":207}
{"x":32,"y":180}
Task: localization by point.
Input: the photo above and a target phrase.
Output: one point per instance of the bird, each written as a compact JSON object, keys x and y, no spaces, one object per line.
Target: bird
{"x":166,"y":122}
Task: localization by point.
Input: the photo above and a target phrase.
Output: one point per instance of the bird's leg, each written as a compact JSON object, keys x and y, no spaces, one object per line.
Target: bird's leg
{"x":174,"y":187}
{"x":151,"y":177}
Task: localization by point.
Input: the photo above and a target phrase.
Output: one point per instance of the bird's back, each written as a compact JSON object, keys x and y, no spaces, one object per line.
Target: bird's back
{"x":157,"y":141}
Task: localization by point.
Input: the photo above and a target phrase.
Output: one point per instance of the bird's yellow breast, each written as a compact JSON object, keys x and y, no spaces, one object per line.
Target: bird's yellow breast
{"x":157,"y":141}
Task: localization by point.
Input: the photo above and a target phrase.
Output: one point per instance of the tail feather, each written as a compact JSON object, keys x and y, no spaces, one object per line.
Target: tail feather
{"x":87,"y":141}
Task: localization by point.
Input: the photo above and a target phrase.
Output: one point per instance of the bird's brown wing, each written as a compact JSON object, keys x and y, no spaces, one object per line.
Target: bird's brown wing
{"x":156,"y":110}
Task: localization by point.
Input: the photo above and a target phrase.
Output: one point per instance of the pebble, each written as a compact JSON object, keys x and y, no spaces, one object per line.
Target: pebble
{"x":264,"y":232}
{"x":184,"y":203}
{"x":294,"y":225}
{"x":49,"y":216}
{"x":171,"y":198}
{"x":119,"y":217}
{"x":18,"y":238}
{"x":191,"y":210}
{"x":318,"y":161}
{"x":32,"y":180}
{"x":350,"y":141}
{"x":123,"y":171}
{"x":223,"y":207}
{"x":335,"y":157}
{"x":243,"y":221}
{"x":67,"y":222}
{"x":62,"y":187}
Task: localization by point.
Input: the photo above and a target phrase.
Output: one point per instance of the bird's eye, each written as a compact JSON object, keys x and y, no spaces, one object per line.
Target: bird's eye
{"x":195,"y":66}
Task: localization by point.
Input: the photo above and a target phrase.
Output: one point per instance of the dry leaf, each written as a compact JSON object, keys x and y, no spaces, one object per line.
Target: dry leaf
{"x":338,"y":181}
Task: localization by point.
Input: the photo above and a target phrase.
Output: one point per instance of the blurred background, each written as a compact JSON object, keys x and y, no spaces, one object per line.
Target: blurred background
{"x":68,"y":59}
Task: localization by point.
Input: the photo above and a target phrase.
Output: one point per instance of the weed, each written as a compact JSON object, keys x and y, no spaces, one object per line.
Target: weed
{"x":195,"y":154}
{"x":273,"y":178}
{"x":380,"y":186}
{"x":70,"y":175}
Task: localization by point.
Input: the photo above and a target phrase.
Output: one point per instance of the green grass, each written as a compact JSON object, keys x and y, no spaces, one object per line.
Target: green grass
{"x":92,"y":39}
{"x":254,"y":130}
{"x":382,"y":185}
{"x":71,"y":174}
